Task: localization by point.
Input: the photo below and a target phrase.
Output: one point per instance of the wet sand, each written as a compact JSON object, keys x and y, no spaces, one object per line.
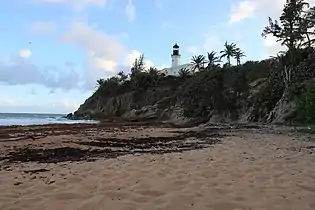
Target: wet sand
{"x":139,"y":166}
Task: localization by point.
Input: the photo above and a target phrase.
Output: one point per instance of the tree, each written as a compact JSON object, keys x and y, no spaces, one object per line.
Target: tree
{"x":228,"y":52}
{"x":213,"y":60}
{"x":290,"y":19}
{"x":290,"y":30}
{"x":198,"y":61}
{"x":273,"y":28}
{"x":136,"y":71}
{"x":238,"y":56}
{"x":138,"y":65}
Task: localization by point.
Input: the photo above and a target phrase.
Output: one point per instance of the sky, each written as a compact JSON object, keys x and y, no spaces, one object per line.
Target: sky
{"x":53,"y":51}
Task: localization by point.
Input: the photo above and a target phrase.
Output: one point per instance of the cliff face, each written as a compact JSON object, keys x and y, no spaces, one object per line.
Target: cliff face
{"x":253,"y":92}
{"x":155,"y":103}
{"x":131,"y":106}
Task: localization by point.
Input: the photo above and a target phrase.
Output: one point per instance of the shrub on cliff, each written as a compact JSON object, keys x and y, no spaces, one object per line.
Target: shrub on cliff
{"x":305,"y":112}
{"x":106,"y":86}
{"x":112,"y":86}
{"x":216,"y":90}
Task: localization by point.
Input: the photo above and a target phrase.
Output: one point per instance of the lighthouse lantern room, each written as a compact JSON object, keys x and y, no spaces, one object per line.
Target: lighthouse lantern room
{"x":175,"y":56}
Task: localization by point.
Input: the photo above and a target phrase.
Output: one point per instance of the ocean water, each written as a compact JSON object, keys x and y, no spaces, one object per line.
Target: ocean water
{"x":36,"y":119}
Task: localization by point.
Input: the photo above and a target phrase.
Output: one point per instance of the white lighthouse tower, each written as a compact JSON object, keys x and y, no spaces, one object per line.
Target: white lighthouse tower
{"x":175,"y":56}
{"x":176,"y":67}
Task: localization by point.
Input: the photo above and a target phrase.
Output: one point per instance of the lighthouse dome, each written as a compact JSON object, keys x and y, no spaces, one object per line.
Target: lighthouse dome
{"x":176,"y":46}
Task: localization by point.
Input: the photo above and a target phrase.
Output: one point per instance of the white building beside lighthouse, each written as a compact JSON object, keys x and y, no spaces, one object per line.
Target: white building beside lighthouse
{"x":176,"y":66}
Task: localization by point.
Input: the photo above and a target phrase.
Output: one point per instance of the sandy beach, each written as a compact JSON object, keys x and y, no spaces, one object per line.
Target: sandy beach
{"x":126,"y":167}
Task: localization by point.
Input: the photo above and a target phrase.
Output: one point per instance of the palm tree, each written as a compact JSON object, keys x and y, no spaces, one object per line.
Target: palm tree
{"x":198,"y":61}
{"x":238,"y":56}
{"x":183,"y":73}
{"x":212,"y":59}
{"x":228,"y":52}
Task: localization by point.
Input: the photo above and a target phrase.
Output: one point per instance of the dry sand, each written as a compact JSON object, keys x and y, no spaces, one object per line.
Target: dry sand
{"x":247,"y":168}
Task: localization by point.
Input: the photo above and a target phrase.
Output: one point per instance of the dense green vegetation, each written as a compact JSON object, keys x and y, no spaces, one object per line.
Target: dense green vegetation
{"x":225,"y":88}
{"x":306,"y":107}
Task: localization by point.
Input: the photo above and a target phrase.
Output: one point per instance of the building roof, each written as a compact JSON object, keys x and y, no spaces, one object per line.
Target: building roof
{"x":188,"y":66}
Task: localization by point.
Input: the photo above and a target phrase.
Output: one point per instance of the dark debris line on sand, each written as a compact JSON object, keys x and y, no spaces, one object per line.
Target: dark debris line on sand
{"x":114,"y":147}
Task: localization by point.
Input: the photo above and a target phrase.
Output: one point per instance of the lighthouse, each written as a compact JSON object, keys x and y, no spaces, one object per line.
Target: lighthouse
{"x":175,"y":56}
{"x":176,"y":67}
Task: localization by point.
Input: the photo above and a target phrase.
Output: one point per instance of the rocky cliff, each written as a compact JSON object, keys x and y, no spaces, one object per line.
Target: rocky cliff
{"x":252,"y":92}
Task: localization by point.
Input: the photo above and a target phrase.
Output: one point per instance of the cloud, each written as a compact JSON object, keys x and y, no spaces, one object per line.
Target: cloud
{"x":107,"y":65}
{"x":103,"y":51}
{"x":130,"y":10}
{"x":105,"y":54}
{"x":242,"y":10}
{"x":42,"y":27}
{"x":20,"y":71}
{"x":25,"y":53}
{"x":77,"y":4}
{"x":96,"y":43}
